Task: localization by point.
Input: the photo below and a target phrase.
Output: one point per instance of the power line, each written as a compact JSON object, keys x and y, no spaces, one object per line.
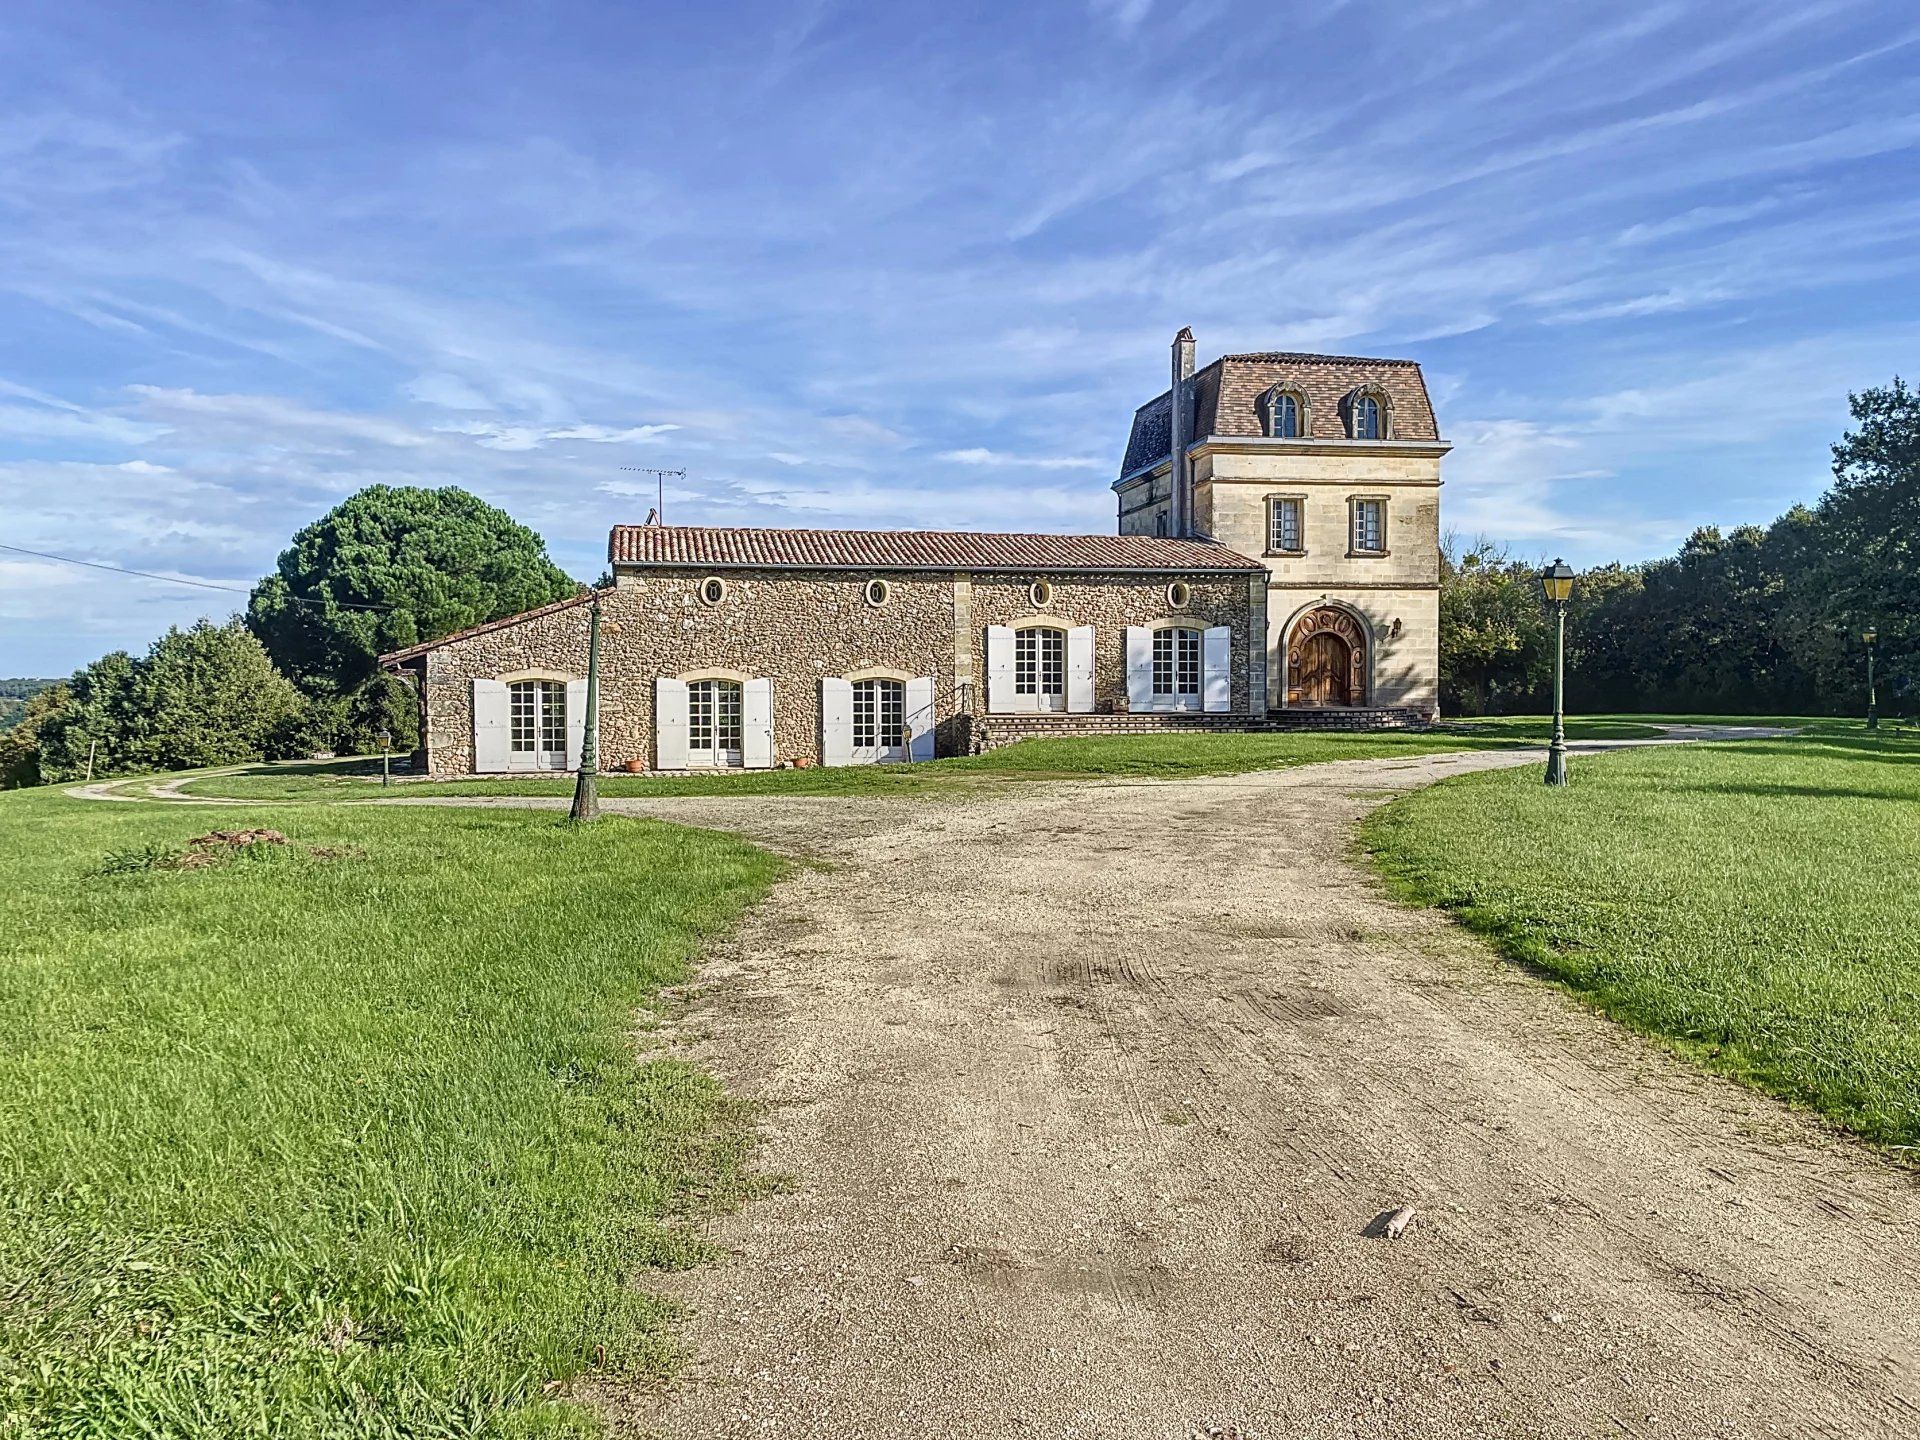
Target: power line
{"x":176,"y":580}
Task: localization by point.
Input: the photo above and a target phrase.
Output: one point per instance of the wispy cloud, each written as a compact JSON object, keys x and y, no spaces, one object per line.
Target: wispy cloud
{"x":901,"y":267}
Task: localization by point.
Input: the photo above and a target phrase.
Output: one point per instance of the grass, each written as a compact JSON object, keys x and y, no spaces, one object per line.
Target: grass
{"x":1753,"y":903}
{"x":1165,"y":756}
{"x":348,"y":1144}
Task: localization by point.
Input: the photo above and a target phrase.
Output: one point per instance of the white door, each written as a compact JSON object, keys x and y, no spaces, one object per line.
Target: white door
{"x":1176,"y":669}
{"x":536,"y":725}
{"x":1040,"y":669}
{"x":715,"y":732}
{"x":879,"y":721}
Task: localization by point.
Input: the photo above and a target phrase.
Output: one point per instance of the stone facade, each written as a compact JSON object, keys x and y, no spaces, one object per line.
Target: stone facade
{"x":796,"y":627}
{"x":1238,"y":471}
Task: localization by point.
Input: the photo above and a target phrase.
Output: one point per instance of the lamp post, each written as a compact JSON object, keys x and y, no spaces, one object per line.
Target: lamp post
{"x":586,"y":785}
{"x":386,"y":758}
{"x":1868,"y":636}
{"x":1556,"y":583}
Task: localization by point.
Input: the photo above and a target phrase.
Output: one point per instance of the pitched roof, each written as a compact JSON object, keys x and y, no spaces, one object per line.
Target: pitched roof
{"x":1226,"y":399}
{"x":415,"y":651}
{"x":728,"y":547}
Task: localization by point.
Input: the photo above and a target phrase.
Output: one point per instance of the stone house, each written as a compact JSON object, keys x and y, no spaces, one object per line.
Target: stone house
{"x":1327,"y":468}
{"x":727,"y":647}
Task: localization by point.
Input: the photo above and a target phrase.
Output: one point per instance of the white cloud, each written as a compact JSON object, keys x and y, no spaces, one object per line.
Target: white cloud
{"x":979,"y":455}
{"x":497,"y":436}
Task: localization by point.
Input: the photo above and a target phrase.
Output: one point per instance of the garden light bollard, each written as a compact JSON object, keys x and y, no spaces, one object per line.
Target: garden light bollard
{"x":1556,"y":583}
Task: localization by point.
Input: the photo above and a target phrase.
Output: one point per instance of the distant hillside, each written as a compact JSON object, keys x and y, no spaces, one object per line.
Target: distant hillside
{"x":14,"y":695}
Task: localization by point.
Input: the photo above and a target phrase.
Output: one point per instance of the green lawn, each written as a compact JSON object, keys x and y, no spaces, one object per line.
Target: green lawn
{"x":344,"y":1145}
{"x":1757,"y":903}
{"x":1168,"y":756}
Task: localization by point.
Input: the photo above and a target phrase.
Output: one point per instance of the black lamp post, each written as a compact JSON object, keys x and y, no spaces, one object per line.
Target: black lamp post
{"x":1556,"y":583}
{"x":586,"y":785}
{"x":1869,"y":635}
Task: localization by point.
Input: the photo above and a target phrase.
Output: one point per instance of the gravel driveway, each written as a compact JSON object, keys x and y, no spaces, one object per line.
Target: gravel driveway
{"x":1088,"y":1093}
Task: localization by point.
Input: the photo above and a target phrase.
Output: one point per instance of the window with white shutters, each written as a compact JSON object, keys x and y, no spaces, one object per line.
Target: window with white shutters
{"x":537,"y":722}
{"x":714,"y":731}
{"x":1176,"y":663}
{"x":1039,"y":661}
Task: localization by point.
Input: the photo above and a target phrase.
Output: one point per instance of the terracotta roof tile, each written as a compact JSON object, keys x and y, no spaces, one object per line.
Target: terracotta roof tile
{"x":726,"y":547}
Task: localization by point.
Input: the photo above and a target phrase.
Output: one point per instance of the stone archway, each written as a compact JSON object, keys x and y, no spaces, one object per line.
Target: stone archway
{"x":1327,"y":659}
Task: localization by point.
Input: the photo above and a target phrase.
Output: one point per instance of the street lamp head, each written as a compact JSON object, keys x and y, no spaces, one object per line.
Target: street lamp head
{"x":1869,"y":635}
{"x":1556,"y":581}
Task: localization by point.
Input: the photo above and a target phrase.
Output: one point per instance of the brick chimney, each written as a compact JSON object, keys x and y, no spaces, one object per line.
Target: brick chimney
{"x":1179,"y":478}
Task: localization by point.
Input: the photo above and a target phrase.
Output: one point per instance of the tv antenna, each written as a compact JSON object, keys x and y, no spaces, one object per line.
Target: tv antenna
{"x":659,"y":485}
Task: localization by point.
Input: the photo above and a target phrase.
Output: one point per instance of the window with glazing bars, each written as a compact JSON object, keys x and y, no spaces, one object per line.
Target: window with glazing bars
{"x":1370,"y":525}
{"x":1039,"y":662}
{"x":1176,"y":662}
{"x":1366,"y":418}
{"x":1285,"y":525}
{"x":537,"y":717}
{"x":713,"y":715}
{"x":879,"y":714}
{"x":1286,"y":416}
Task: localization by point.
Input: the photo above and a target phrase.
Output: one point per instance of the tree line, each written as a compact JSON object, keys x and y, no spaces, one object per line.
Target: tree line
{"x":1756,"y":620}
{"x":298,"y":673}
{"x":1753,"y":621}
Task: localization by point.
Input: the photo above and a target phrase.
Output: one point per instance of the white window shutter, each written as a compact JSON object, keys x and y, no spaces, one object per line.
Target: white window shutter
{"x":836,"y":721}
{"x":1139,"y":668}
{"x":576,"y":721}
{"x":999,"y":668}
{"x":670,"y":724}
{"x":1216,"y":667}
{"x":1080,"y":670}
{"x":756,"y":724}
{"x":489,"y":726}
{"x":920,"y":718}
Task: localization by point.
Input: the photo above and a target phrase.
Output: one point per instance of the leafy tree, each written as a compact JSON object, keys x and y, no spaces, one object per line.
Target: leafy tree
{"x":20,"y":743}
{"x":94,"y":723}
{"x":390,"y":567}
{"x":207,"y":695}
{"x":1495,"y":651}
{"x":1870,"y":571}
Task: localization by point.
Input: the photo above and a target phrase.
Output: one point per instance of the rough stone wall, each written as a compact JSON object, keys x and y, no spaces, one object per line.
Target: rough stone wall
{"x":795,"y":627}
{"x":1110,"y":604}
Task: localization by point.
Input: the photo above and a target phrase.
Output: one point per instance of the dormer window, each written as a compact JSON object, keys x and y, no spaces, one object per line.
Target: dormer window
{"x":1286,"y":413}
{"x":1369,"y":413}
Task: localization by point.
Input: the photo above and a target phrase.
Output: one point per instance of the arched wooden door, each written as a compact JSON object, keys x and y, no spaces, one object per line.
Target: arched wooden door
{"x":1324,"y":664}
{"x":1327,"y":659}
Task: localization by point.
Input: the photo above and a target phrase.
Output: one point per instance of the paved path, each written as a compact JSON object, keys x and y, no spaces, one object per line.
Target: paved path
{"x":1089,"y":1091}
{"x":1088,"y":1094}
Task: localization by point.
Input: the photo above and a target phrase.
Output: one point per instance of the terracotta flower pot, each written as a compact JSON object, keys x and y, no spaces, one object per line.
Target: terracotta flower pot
{"x":636,"y":767}
{"x":803,"y":763}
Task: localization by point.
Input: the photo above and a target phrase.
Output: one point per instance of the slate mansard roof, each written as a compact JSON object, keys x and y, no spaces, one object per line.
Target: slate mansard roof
{"x":1226,"y":400}
{"x":727,"y":547}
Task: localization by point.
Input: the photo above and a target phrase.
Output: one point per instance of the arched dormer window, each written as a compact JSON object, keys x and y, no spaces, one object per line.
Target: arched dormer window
{"x":1369,"y":414}
{"x":1286,"y":413}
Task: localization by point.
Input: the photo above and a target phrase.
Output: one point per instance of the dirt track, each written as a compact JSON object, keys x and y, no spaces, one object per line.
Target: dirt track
{"x":1088,"y":1093}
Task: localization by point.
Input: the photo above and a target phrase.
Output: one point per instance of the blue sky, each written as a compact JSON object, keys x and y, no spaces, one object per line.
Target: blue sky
{"x":910,"y":265}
